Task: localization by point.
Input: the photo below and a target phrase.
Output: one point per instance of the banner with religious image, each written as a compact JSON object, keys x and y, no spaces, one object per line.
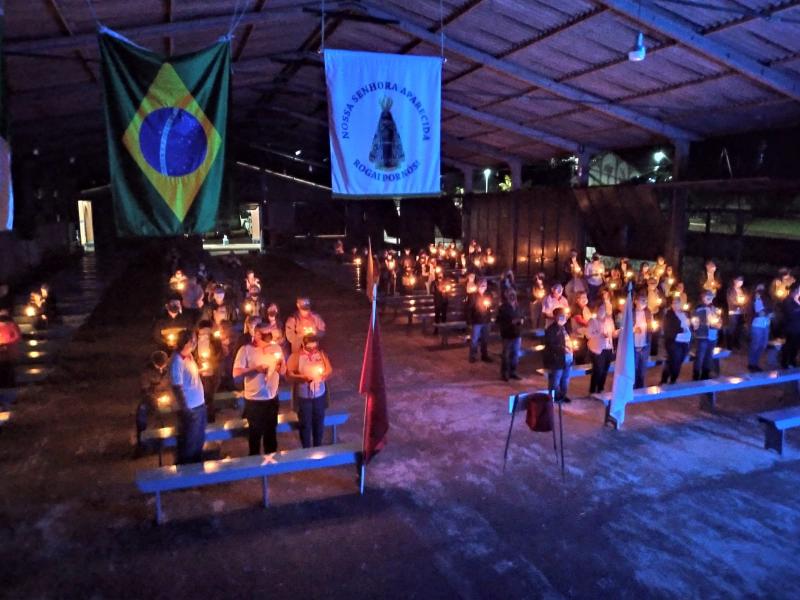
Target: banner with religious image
{"x":384,"y":114}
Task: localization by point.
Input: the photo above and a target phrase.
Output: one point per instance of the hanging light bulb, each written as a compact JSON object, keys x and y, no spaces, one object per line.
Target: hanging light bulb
{"x":639,"y":51}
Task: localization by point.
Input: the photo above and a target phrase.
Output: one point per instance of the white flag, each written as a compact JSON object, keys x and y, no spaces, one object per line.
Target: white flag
{"x":384,"y":115}
{"x":624,"y":367}
{"x":6,"y":190}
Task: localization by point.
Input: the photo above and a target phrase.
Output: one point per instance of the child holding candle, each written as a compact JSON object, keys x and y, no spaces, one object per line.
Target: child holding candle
{"x":706,"y":323}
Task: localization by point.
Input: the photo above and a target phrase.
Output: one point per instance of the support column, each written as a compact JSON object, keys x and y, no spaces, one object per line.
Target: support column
{"x":516,"y":174}
{"x":469,"y":175}
{"x":584,"y":161}
{"x":678,"y":220}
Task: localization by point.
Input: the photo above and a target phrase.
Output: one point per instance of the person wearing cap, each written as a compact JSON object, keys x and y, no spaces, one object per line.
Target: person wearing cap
{"x":156,"y":392}
{"x":187,"y":387}
{"x":170,"y":323}
{"x":302,"y":323}
{"x":308,"y":370}
{"x":760,"y":312}
{"x":557,"y":356}
{"x":706,"y":323}
{"x":261,"y":363}
{"x":479,"y":317}
{"x":220,"y":307}
{"x":253,"y":304}
{"x":192,"y":298}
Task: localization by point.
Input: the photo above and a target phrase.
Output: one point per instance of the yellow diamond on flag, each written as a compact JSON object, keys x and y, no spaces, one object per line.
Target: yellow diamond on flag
{"x":172,"y":141}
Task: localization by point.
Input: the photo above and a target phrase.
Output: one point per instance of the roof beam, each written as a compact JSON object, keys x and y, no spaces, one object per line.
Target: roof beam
{"x":483,"y":149}
{"x":550,"y":139}
{"x":685,"y":34}
{"x":527,"y":75}
{"x":89,"y":40}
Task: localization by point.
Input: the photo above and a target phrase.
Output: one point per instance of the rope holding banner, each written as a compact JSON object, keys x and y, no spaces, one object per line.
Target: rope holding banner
{"x":441,"y":30}
{"x":91,"y":10}
{"x":238,"y":15}
{"x":322,"y":28}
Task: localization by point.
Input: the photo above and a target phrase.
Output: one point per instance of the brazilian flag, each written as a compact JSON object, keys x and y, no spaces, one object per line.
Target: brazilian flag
{"x":166,"y":121}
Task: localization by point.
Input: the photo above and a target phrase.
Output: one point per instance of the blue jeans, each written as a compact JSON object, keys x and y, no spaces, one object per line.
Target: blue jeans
{"x":640,"y":357}
{"x":480,"y":334}
{"x":558,"y":380}
{"x":191,"y":435}
{"x":311,"y":412}
{"x":510,"y":357}
{"x":759,"y":336}
{"x":704,"y":359}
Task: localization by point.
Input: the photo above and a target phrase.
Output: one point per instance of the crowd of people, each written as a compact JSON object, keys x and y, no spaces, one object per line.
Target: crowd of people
{"x":223,"y":334}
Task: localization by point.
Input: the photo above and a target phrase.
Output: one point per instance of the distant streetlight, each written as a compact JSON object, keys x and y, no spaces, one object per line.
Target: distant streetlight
{"x":659,"y":156}
{"x":486,"y":173}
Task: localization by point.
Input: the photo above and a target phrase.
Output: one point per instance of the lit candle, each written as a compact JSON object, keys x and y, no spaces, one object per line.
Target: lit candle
{"x":654,"y":325}
{"x":171,"y":338}
{"x":163,"y":400}
{"x":670,"y":281}
{"x":412,"y":280}
{"x":612,"y":285}
{"x":248,"y":307}
{"x":278,"y":355}
{"x":320,"y":370}
{"x":781,"y":293}
{"x":487,"y":303}
{"x":448,"y":288}
{"x":217,"y":334}
{"x":205,"y":366}
{"x":472,"y":288}
{"x":576,"y":344}
{"x":660,"y":302}
{"x":477,"y":262}
{"x":686,"y":306}
{"x":357,"y":262}
{"x":713,"y":320}
{"x":181,"y":286}
{"x":308,"y":331}
{"x":539,"y":293}
{"x":621,"y":301}
{"x":490,"y":260}
{"x":740,"y":299}
{"x":205,"y":354}
{"x":567,"y":311}
{"x":438,"y":270}
{"x":30,"y":311}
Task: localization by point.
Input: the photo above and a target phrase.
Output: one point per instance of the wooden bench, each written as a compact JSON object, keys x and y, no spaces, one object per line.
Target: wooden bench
{"x":777,"y":423}
{"x":708,"y":388}
{"x":179,"y":477}
{"x":167,"y":437}
{"x":653,"y":361}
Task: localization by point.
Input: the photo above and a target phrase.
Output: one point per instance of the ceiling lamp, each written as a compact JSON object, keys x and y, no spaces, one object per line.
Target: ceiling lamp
{"x":639,"y":51}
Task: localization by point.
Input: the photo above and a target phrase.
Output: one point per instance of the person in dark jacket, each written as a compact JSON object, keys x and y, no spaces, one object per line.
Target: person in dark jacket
{"x":760,"y":314}
{"x":441,"y":296}
{"x":557,"y":355}
{"x":509,"y":320}
{"x":706,"y":323}
{"x":791,"y":315}
{"x":169,"y":324}
{"x":479,"y":317}
{"x":677,"y":335}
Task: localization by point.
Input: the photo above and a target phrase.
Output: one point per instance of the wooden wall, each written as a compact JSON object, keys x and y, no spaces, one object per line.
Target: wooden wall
{"x":529,"y":230}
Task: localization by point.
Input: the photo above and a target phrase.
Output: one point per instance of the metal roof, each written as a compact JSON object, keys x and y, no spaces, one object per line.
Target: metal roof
{"x":527,"y":79}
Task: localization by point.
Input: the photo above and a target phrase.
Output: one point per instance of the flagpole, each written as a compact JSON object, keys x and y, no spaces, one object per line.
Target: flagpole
{"x":510,"y":427}
{"x":366,"y":396}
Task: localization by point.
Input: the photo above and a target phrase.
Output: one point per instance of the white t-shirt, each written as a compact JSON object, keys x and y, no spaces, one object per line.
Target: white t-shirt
{"x":258,"y":386}
{"x":183,"y":372}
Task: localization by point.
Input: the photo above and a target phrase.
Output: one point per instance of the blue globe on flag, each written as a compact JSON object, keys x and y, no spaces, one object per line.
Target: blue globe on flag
{"x":173,"y":142}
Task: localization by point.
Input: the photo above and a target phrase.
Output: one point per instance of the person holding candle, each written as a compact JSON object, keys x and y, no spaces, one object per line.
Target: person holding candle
{"x":261,"y":364}
{"x":656,"y":304}
{"x":736,"y":300}
{"x":479,"y":316}
{"x":192,"y":298}
{"x":709,"y":281}
{"x":170,"y":323}
{"x":644,"y":326}
{"x":576,"y":285}
{"x":677,"y":335}
{"x":441,"y":298}
{"x":643,"y":275}
{"x":579,"y":319}
{"x":791,"y":315}
{"x":250,"y":280}
{"x":557,"y":356}
{"x":601,"y":333}
{"x":276,"y":326}
{"x":253,"y":303}
{"x":660,"y":267}
{"x":220,"y":303}
{"x":706,"y":323}
{"x":184,"y":376}
{"x":572,"y":267}
{"x":208,"y":361}
{"x":302,"y":323}
{"x":509,"y":321}
{"x":595,"y":277}
{"x":156,"y":392}
{"x":552,"y":301}
{"x":779,"y":292}
{"x":308,"y":370}
{"x":760,"y":311}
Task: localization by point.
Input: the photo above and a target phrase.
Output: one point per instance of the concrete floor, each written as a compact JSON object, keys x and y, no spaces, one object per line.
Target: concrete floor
{"x":679,"y":504}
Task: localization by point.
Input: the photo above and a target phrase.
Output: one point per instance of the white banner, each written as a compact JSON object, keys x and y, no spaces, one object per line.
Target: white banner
{"x":384,"y":114}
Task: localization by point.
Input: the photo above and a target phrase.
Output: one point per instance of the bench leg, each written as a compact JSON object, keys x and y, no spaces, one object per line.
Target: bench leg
{"x":335,"y":434}
{"x":265,"y":491}
{"x":362,"y":478}
{"x":159,"y":514}
{"x":773,"y":438}
{"x":710,"y":402}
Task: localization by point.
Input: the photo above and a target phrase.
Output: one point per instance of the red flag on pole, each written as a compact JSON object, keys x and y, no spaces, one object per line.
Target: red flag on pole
{"x":372,"y":385}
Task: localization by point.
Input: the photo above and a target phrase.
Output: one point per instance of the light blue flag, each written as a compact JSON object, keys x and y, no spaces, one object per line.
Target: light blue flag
{"x":624,"y":367}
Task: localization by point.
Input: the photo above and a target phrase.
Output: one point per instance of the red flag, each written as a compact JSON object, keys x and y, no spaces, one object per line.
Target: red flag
{"x":376,"y":419}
